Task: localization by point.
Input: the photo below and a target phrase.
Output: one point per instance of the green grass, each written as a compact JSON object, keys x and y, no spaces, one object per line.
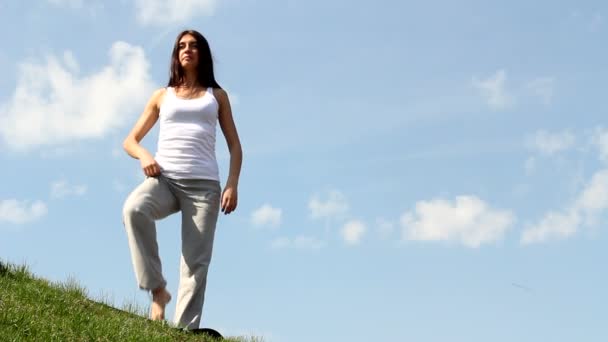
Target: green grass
{"x":34,"y":309}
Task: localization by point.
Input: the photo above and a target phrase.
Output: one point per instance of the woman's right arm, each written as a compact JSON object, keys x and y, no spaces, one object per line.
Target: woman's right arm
{"x":143,"y":125}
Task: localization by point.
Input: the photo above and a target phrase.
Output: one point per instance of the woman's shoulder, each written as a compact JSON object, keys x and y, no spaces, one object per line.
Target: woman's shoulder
{"x":160,"y":92}
{"x":158,"y":95}
{"x":220,"y":94}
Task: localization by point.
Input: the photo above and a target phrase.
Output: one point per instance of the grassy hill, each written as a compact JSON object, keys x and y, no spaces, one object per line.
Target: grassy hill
{"x":34,"y":309}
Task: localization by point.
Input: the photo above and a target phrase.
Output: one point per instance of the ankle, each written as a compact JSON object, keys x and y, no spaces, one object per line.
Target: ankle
{"x":159,"y":291}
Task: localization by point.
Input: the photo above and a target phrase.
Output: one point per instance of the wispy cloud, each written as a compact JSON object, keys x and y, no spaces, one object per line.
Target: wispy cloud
{"x":300,"y":242}
{"x":500,"y":97}
{"x":594,"y":196}
{"x":20,"y":212}
{"x":493,"y":89}
{"x":587,"y":206}
{"x":353,"y":231}
{"x":53,"y":105}
{"x":584,"y":210}
{"x":267,"y":216}
{"x":163,"y":12}
{"x":549,"y":143}
{"x":467,"y":220}
{"x":62,"y":189}
{"x":334,"y":205}
{"x":552,"y":225}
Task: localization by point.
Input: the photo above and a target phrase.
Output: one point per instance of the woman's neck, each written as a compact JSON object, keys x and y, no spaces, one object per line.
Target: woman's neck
{"x":189,"y":81}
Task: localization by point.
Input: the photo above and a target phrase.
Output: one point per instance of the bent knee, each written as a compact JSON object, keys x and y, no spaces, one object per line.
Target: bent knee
{"x":133,"y":208}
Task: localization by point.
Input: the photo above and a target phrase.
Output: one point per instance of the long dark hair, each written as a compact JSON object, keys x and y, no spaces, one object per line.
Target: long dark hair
{"x":205,"y":75}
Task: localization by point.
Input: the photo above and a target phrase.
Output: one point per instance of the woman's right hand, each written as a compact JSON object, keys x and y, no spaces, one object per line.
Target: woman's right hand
{"x":145,"y":122}
{"x":149,"y":165}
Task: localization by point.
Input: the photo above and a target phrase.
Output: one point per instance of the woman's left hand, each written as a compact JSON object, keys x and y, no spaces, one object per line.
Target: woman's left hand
{"x":229,"y":199}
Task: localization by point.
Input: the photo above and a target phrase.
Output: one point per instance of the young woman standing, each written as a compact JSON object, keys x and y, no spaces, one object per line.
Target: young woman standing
{"x":182,"y":176}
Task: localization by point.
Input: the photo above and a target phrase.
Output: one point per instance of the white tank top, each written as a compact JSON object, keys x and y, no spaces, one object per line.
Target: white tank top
{"x":186,"y":139}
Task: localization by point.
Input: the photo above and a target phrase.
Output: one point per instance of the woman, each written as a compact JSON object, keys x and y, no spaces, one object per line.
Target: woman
{"x":182,"y":176}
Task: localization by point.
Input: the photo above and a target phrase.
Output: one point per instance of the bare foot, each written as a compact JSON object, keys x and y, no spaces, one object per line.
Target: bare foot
{"x":160,"y":298}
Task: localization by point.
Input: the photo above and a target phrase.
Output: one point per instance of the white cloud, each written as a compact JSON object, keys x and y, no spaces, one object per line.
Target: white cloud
{"x":551,"y":143}
{"x":353,"y":231}
{"x":585,"y":210}
{"x":61,"y":189}
{"x":335,"y":205}
{"x":20,"y":212}
{"x":494,"y":91}
{"x":266,"y":215}
{"x":594,"y":197}
{"x":542,"y":87}
{"x":300,"y":242}
{"x":162,"y":12}
{"x":54,"y":105}
{"x":467,"y":220}
{"x":553,"y":225}
{"x":498,"y":97}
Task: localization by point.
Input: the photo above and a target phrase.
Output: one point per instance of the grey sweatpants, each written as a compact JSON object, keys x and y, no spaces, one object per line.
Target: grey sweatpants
{"x":154,"y":199}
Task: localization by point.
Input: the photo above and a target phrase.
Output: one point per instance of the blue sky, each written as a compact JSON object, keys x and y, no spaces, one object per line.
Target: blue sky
{"x":412,"y":172}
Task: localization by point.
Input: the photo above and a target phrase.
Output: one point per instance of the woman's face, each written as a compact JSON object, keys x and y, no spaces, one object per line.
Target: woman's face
{"x":188,"y":52}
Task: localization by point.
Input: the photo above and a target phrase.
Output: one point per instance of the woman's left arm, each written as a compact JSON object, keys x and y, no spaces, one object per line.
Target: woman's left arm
{"x":230,"y":193}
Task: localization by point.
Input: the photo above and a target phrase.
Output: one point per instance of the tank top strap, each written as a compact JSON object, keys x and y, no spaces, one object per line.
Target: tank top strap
{"x":169,"y":91}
